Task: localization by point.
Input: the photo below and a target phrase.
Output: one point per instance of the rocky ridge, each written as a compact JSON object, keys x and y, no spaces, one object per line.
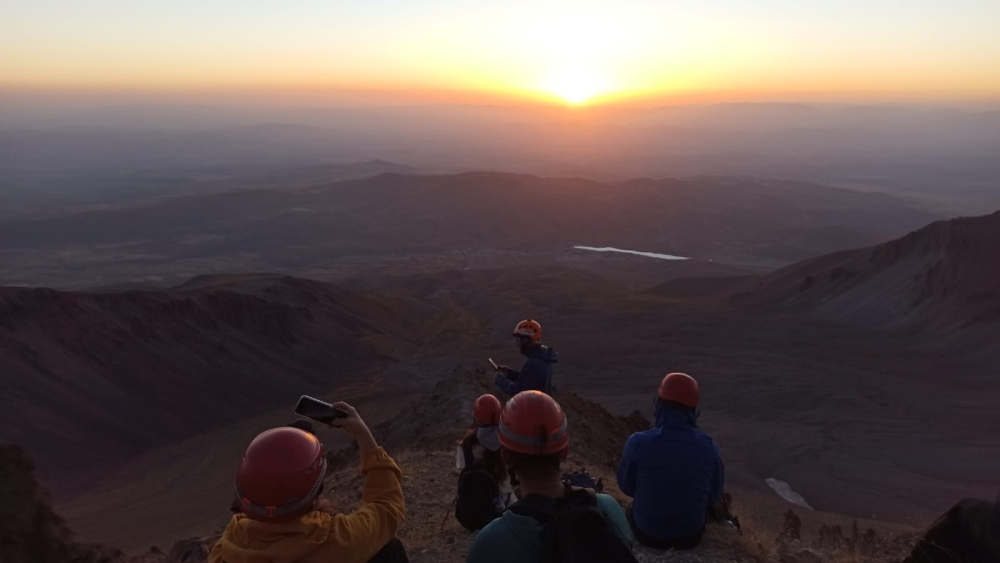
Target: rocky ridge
{"x":422,"y":438}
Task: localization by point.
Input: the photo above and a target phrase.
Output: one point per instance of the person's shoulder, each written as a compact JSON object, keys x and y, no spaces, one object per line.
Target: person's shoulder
{"x":644,"y":436}
{"x":494,"y":533}
{"x":608,"y":504}
{"x":610,"y":507}
{"x":705,"y":438}
{"x":535,"y":359}
{"x":491,"y":543}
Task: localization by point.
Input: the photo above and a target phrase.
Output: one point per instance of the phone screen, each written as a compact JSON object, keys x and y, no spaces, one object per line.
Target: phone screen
{"x":318,"y":410}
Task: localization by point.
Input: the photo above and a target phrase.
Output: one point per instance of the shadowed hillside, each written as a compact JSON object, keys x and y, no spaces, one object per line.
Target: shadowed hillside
{"x":943,"y":277}
{"x":30,"y":531}
{"x":91,"y":378}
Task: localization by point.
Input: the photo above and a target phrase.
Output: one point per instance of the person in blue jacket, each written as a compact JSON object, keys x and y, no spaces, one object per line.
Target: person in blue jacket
{"x":536,"y":375}
{"x":673,"y":473}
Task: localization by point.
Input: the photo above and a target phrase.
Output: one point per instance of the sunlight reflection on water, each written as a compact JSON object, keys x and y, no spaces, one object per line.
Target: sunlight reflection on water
{"x":636,"y":252}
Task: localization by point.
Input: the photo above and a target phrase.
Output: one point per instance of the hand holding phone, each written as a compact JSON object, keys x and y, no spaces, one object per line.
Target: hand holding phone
{"x":355,"y":428}
{"x":338,"y":415}
{"x":319,"y":411}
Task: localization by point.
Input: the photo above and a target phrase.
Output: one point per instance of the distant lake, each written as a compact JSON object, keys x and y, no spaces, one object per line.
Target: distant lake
{"x":636,"y":252}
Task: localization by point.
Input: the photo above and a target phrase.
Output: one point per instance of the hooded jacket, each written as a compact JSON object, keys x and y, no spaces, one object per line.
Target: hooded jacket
{"x":319,"y":537}
{"x":673,"y":473}
{"x":535,"y":375}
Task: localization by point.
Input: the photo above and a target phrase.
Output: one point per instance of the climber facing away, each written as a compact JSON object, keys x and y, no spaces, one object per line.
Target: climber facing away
{"x":674,"y":472}
{"x":281,"y":517}
{"x":536,"y":374}
{"x":550,"y":517}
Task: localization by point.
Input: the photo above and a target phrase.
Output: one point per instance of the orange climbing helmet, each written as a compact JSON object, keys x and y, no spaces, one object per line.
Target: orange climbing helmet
{"x":487,"y":410}
{"x":533,"y":423}
{"x":680,"y":388}
{"x":529,"y":328}
{"x":281,"y":474}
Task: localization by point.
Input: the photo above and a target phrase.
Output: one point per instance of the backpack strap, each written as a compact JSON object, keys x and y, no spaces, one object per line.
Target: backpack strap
{"x":539,"y":507}
{"x":579,"y":496}
{"x":543,"y":508}
{"x":467,"y":454}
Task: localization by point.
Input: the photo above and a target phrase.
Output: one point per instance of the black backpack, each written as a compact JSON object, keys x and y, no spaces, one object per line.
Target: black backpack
{"x":574,"y":529}
{"x":475,"y":504}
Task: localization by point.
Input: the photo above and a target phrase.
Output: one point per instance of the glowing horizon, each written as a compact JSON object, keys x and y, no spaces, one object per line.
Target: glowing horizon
{"x":572,"y":53}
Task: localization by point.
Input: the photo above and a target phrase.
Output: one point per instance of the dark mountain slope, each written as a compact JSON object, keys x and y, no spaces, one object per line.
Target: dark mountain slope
{"x":945,"y":276}
{"x":30,"y":530}
{"x":91,"y":378}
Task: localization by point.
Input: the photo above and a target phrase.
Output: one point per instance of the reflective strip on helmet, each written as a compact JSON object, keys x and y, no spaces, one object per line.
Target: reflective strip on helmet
{"x":530,"y":442}
{"x":249,"y":507}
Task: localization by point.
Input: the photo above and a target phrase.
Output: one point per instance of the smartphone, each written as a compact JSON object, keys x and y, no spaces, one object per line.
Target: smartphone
{"x":318,"y":410}
{"x":494,"y":364}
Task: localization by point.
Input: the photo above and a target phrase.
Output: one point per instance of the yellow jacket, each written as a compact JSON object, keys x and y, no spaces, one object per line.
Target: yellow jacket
{"x":319,"y":537}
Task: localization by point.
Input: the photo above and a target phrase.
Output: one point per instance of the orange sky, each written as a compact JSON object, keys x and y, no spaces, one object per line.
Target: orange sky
{"x":563,"y":52}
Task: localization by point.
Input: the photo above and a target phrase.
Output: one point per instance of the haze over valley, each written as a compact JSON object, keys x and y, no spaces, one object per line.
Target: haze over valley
{"x":358,"y":202}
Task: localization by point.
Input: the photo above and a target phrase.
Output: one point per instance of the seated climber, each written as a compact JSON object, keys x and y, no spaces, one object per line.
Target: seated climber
{"x":282,"y":518}
{"x":551,"y":517}
{"x":673,"y":472}
{"x":484,"y":485}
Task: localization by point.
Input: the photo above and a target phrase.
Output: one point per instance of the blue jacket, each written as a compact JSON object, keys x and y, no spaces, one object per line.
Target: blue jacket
{"x":535,"y":375}
{"x":673,"y":473}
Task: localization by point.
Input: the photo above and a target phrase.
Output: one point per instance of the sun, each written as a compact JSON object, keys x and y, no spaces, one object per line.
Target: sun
{"x":576,"y":85}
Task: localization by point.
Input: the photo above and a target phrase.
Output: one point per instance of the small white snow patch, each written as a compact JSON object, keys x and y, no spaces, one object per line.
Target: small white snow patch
{"x":635,"y":252}
{"x":785,"y":491}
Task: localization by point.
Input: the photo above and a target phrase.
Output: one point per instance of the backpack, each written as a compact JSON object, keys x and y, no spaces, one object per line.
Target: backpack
{"x":574,"y":529}
{"x":476,"y":501}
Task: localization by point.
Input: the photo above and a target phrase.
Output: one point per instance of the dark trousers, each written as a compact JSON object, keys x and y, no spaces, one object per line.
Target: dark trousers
{"x":689,"y":542}
{"x":393,"y":552}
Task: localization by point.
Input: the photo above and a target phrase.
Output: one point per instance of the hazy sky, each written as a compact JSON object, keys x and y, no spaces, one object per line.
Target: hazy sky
{"x":681,"y":50}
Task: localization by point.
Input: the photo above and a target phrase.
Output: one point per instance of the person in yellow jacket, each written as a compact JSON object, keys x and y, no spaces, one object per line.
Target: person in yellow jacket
{"x":282,"y":519}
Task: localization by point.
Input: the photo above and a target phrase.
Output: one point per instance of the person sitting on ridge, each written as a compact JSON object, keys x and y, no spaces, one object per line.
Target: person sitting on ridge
{"x":536,"y":374}
{"x":484,"y":484}
{"x":534,"y":440}
{"x":673,"y":473}
{"x":283,"y":520}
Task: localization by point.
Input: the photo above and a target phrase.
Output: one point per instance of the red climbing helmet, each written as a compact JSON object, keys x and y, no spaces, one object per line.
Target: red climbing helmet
{"x":680,"y":388}
{"x":529,"y":329}
{"x":533,"y":423}
{"x":487,"y":410}
{"x":280,"y":475}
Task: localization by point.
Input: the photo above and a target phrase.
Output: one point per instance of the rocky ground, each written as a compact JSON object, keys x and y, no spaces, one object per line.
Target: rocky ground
{"x":422,"y":440}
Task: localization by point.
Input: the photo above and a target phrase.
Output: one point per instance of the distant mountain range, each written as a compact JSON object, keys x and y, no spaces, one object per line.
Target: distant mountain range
{"x":734,"y":220}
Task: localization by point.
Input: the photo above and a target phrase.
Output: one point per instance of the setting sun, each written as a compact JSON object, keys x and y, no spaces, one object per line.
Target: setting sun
{"x":575,"y":85}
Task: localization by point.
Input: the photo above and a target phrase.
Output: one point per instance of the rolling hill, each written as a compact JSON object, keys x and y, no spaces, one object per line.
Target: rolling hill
{"x":943,"y":277}
{"x":393,"y":217}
